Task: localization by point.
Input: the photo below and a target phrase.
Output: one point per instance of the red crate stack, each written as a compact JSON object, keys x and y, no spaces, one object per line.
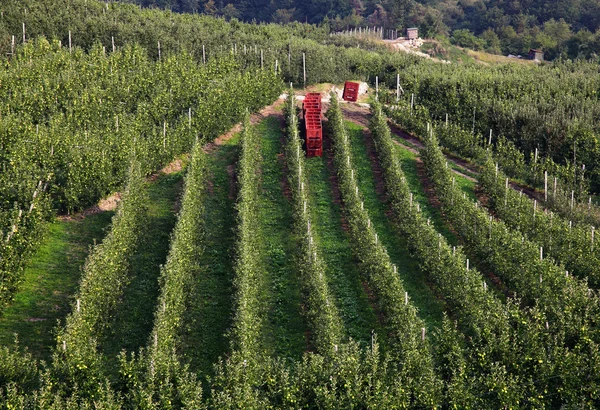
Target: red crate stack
{"x":350,"y":91}
{"x":311,"y":109}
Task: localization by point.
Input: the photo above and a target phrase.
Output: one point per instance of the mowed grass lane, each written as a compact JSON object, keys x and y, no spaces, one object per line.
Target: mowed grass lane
{"x":286,"y":329}
{"x":343,"y":275}
{"x":430,"y":307}
{"x":134,"y":317}
{"x":208,"y":316}
{"x":50,"y":280}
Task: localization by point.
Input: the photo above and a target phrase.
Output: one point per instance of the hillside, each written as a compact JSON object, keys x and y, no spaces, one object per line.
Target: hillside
{"x":182,"y":226}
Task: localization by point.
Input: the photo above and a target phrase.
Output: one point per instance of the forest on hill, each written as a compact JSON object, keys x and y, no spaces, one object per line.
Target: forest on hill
{"x":567,"y":29}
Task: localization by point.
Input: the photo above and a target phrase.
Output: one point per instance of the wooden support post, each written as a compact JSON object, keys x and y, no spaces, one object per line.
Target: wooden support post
{"x":203,"y":54}
{"x":304,"y":67}
{"x":113,"y":43}
{"x":23,"y":33}
{"x":397,"y":87}
{"x":159,"y":51}
{"x":545,"y":186}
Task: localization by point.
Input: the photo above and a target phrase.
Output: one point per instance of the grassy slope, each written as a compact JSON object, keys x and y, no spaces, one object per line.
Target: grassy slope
{"x":430,"y":308}
{"x":287,"y":328}
{"x":49,"y":282}
{"x":409,"y":165}
{"x":135,"y":316}
{"x":342,"y":272}
{"x":209,"y":316}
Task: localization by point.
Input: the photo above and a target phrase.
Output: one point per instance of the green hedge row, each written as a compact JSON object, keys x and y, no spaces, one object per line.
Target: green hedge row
{"x":401,"y":319}
{"x":321,"y":309}
{"x":568,"y":306}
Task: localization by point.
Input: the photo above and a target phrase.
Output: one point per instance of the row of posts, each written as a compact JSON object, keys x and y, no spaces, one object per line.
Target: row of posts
{"x":379,"y":32}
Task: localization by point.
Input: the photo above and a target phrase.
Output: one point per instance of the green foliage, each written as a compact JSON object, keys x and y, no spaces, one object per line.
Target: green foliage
{"x":77,"y":362}
{"x":570,"y":245}
{"x":401,"y":318}
{"x":465,"y":38}
{"x":321,"y":310}
{"x":249,"y":281}
{"x":570,"y":181}
{"x":69,"y":154}
{"x":172,"y":382}
{"x":568,"y":306}
{"x":548,"y":109}
{"x":487,"y":335}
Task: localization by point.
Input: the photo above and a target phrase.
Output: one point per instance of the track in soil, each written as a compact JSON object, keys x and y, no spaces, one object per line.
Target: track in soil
{"x":330,"y":233}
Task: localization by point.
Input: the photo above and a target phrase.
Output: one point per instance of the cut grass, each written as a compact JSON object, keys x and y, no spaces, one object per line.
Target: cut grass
{"x":408,"y":161}
{"x":50,"y":281}
{"x":208,"y":317}
{"x":287,"y":327}
{"x":342,"y":271}
{"x":430,"y":308}
{"x":135,"y":315}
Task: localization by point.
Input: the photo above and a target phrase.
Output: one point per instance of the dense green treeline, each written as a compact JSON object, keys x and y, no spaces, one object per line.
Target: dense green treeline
{"x":561,"y":29}
{"x":71,"y":121}
{"x":546,"y":116}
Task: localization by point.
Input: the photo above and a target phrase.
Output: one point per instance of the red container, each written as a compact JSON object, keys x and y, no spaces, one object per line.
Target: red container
{"x":350,"y":91}
{"x":313,"y":143}
{"x":311,"y":110}
{"x":317,"y":152}
{"x":313,"y":95}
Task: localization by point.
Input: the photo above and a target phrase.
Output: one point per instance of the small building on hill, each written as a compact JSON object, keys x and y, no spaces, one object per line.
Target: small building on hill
{"x":412,"y":33}
{"x":537,"y":55}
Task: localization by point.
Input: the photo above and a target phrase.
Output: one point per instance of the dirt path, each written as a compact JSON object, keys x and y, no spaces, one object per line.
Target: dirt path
{"x":111,"y":202}
{"x":255,"y":118}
